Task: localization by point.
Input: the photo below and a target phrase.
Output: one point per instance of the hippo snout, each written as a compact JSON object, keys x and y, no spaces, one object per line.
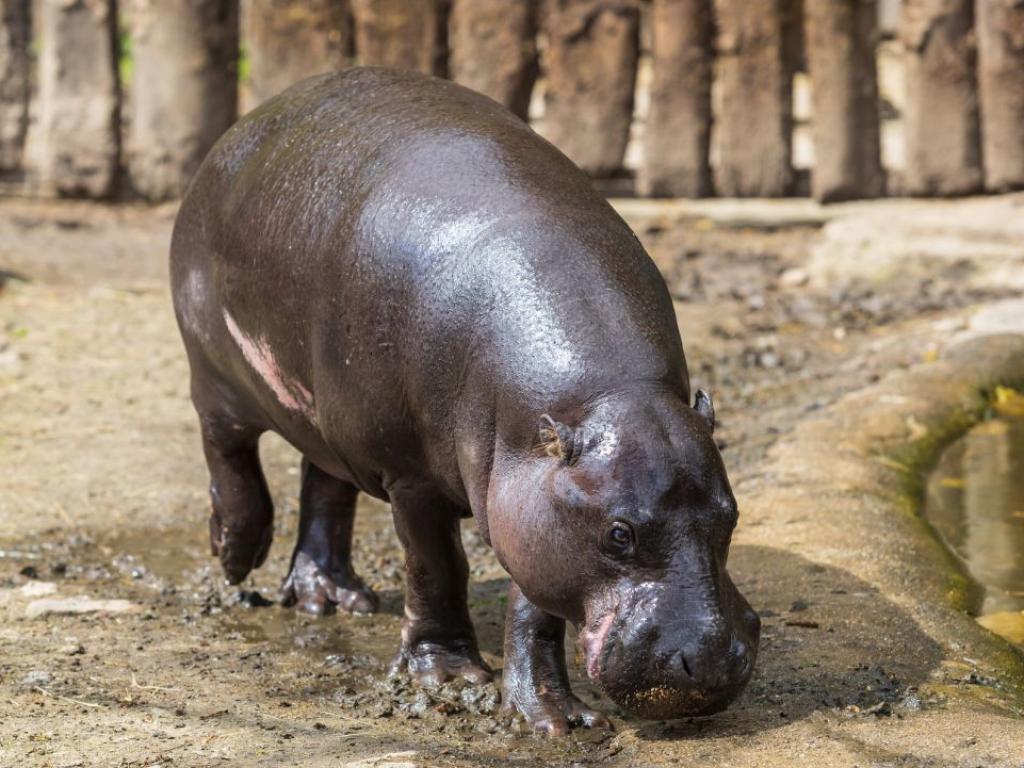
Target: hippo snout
{"x":660,"y":661}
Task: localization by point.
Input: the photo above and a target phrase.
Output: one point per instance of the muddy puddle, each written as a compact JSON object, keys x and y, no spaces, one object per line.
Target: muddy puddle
{"x":183,"y":568}
{"x":975,"y":501}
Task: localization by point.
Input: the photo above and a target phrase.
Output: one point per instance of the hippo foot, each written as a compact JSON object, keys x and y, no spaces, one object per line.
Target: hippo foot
{"x":553,"y":712}
{"x":312,"y":590}
{"x":240,"y":549}
{"x":433,"y":664}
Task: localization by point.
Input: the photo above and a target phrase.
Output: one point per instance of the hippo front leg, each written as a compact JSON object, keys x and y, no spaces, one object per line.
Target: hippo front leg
{"x":535,"y":682}
{"x":438,"y":640}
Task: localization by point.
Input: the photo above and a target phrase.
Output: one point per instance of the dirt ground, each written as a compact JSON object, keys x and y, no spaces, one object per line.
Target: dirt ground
{"x":103,"y":498}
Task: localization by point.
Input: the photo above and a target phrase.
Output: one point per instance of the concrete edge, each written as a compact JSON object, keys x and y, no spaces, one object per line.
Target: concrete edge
{"x":859,"y":469}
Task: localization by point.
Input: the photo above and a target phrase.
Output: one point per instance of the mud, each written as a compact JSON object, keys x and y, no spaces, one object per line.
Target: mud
{"x":102,"y":494}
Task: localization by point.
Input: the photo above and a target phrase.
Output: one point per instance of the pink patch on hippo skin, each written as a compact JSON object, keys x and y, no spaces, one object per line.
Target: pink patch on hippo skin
{"x":291,"y":394}
{"x":593,"y":644}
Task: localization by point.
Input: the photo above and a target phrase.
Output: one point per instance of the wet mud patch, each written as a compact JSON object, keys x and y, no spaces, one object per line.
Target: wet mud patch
{"x":194,"y":633}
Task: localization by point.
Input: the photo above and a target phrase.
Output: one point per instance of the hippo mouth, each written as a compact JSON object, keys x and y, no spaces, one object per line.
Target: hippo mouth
{"x":647,"y":684}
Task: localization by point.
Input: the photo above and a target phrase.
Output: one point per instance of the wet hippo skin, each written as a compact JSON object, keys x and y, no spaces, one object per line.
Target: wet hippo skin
{"x":434,"y":306}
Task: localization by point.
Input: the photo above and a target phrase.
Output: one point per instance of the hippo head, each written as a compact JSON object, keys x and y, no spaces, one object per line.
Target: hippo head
{"x":623,"y":526}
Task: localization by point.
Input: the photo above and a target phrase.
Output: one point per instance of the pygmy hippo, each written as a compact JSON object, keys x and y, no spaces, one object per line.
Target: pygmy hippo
{"x":435,"y":307}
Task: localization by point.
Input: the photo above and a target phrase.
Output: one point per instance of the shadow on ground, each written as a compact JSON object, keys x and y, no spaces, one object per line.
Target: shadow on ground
{"x":829,"y":642}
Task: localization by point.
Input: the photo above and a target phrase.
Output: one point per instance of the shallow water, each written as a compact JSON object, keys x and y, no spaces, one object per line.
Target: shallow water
{"x":975,"y":501}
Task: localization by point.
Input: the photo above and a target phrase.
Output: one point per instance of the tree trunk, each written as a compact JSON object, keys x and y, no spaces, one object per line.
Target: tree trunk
{"x":677,"y":134}
{"x":941,"y":128}
{"x":841,"y":56}
{"x":591,"y":62}
{"x":78,"y":92}
{"x":1000,"y":25}
{"x":494,"y":49}
{"x":184,"y":90}
{"x":755,"y":125}
{"x":402,"y":34}
{"x":15,"y":32}
{"x":290,"y":40}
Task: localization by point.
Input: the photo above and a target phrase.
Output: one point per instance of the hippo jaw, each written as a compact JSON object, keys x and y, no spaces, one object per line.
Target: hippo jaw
{"x":659,"y":661}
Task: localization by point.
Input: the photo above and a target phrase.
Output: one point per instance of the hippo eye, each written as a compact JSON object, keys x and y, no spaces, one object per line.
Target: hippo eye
{"x":619,"y":539}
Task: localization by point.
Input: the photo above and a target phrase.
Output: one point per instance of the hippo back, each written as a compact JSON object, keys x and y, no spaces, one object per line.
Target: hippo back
{"x":414,"y":255}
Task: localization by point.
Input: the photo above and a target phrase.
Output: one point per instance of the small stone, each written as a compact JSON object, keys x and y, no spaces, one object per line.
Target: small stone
{"x":794,"y":278}
{"x":73,"y":649}
{"x":36,"y":677}
{"x":38,"y":589}
{"x":70,"y":605}
{"x":911,"y":703}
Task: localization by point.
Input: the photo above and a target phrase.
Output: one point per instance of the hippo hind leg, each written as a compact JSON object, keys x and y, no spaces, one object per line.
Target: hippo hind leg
{"x":321,"y":576}
{"x":242,"y":514}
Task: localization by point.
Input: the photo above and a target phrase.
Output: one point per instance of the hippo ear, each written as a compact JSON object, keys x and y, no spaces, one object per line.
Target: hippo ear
{"x":559,"y":440}
{"x":703,"y":405}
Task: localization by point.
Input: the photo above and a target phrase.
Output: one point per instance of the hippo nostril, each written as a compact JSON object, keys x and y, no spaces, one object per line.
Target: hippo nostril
{"x":682,"y":661}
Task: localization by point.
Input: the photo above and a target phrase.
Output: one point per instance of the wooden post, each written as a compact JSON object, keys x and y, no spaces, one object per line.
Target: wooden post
{"x":591,"y":62}
{"x":184,"y":89}
{"x":754,"y":128}
{"x":841,"y":38}
{"x":1000,"y":25}
{"x":494,"y":49}
{"x":15,"y":32}
{"x":79,"y":103}
{"x":290,"y":40}
{"x":943,"y":147}
{"x":677,"y":134}
{"x":402,"y":34}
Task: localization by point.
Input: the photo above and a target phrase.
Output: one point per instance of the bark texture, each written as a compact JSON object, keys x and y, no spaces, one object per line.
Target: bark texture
{"x":402,"y":34}
{"x":755,"y":122}
{"x":493,"y":49}
{"x":78,"y":92}
{"x":184,"y":89}
{"x":290,"y":40}
{"x":14,"y":81}
{"x":1000,"y":25}
{"x":677,"y":135}
{"x":841,"y":38}
{"x":943,"y":146}
{"x":591,"y":62}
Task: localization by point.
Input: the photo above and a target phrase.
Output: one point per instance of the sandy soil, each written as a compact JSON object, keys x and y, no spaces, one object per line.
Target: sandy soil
{"x":102,"y":497}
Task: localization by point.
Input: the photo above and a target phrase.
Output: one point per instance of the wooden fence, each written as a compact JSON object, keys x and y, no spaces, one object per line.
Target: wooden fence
{"x":122,"y":98}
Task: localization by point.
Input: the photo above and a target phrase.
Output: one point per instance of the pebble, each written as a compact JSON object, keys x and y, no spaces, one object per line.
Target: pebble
{"x":38,"y":589}
{"x":36,"y":677}
{"x":794,"y":278}
{"x":64,"y":605}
